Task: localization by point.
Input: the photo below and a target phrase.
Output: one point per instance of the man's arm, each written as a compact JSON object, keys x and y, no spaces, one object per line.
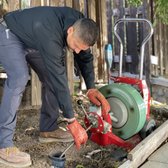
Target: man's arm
{"x":50,"y":45}
{"x":85,"y":62}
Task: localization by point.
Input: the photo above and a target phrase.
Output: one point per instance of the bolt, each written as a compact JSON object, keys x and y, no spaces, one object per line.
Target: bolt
{"x":108,"y":91}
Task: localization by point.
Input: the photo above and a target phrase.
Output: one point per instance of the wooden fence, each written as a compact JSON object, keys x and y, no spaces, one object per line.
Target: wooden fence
{"x":132,"y":35}
{"x":105,"y":13}
{"x":94,"y":9}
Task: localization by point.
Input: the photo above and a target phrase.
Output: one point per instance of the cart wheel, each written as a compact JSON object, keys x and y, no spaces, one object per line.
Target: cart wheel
{"x":148,"y":128}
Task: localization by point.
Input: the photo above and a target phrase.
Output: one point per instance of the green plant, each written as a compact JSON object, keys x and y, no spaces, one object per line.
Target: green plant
{"x":134,"y":2}
{"x":160,"y":10}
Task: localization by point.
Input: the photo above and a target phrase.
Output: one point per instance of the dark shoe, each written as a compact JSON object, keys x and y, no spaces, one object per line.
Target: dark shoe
{"x":58,"y":135}
{"x":12,"y":156}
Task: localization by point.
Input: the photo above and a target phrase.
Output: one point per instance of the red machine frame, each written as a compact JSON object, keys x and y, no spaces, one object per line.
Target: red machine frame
{"x":109,"y":137}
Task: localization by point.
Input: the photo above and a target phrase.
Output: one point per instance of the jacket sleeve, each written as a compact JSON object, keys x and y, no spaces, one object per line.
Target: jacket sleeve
{"x":85,"y":62}
{"x":50,"y":45}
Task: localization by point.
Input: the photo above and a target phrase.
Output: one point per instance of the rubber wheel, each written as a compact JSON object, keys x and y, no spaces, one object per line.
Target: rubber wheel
{"x":148,"y":128}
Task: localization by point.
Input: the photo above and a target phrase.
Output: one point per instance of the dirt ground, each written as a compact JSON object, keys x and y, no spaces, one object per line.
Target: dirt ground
{"x":26,"y":138}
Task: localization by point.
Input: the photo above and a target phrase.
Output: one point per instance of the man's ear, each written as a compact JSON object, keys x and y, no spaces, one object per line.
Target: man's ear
{"x":70,"y":30}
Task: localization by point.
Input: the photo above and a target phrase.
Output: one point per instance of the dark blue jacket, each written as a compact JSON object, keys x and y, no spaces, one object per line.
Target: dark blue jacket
{"x":45,"y":29}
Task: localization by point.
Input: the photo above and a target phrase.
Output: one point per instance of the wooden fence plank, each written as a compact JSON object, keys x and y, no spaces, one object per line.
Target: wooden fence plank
{"x":152,"y":45}
{"x":161,"y":47}
{"x":70,"y":70}
{"x":68,"y":3}
{"x":57,"y":2}
{"x":92,"y":13}
{"x":166,"y":50}
{"x":76,"y":4}
{"x":163,"y":43}
{"x":35,"y":89}
{"x":13,"y":5}
{"x":118,"y":6}
{"x":99,"y":58}
{"x":147,"y":63}
{"x":70,"y":60}
{"x":159,"y":50}
{"x":131,"y":34}
{"x":45,"y":3}
{"x":104,"y":40}
{"x":80,"y":5}
{"x":35,"y":83}
{"x":35,"y":3}
{"x":156,"y":48}
{"x":109,"y":21}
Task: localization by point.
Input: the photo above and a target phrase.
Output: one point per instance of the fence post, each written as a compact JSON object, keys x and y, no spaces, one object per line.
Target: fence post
{"x":109,"y":21}
{"x":118,"y":12}
{"x":131,"y":43}
{"x":166,"y":49}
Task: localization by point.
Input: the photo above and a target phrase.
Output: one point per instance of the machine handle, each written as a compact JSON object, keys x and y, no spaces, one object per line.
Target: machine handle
{"x":80,"y":103}
{"x":142,"y":49}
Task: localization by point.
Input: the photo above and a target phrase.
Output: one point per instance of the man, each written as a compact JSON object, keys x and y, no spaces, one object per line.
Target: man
{"x":48,"y":30}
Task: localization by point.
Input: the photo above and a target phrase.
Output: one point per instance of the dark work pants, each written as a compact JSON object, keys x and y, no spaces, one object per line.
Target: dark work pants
{"x":49,"y":108}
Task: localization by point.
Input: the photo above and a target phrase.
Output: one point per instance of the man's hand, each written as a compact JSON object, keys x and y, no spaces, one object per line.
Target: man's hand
{"x":99,"y":100}
{"x":78,"y":132}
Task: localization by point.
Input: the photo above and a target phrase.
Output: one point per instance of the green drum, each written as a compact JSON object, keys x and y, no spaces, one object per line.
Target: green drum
{"x":128,"y":110}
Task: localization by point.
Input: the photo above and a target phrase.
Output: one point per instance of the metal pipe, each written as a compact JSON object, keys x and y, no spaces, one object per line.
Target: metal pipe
{"x":142,"y":50}
{"x":63,"y":153}
{"x":80,"y":103}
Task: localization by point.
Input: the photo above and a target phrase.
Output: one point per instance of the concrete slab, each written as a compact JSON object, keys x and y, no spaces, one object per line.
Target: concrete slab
{"x":152,"y":164}
{"x":161,"y":155}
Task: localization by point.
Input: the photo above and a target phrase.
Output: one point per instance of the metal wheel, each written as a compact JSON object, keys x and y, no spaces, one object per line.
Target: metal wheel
{"x":128,"y":110}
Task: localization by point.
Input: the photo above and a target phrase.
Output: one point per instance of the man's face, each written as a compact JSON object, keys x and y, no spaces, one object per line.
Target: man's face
{"x":74,"y":43}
